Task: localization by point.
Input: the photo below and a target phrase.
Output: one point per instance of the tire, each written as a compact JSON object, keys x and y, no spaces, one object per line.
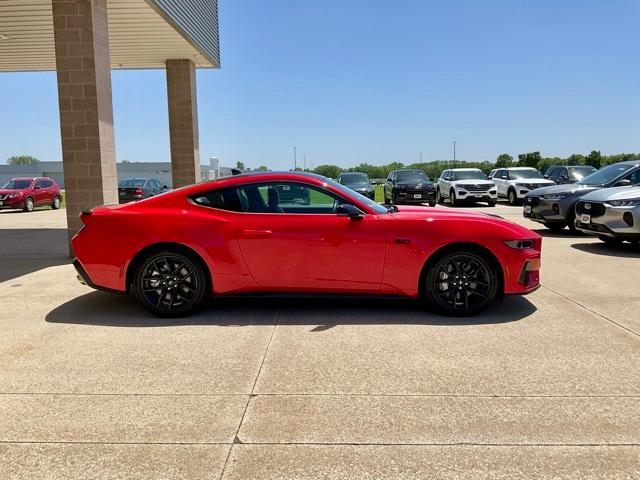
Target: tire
{"x":555,"y":227}
{"x":29,"y":205}
{"x":55,"y":205}
{"x":612,"y":242}
{"x":512,"y":197}
{"x":492,"y":203}
{"x":452,"y":198}
{"x":465,"y":269}
{"x":180,"y":280}
{"x":432,"y":204}
{"x":439,"y":198}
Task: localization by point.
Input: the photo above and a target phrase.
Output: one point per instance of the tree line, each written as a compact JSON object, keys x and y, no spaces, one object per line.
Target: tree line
{"x":434,"y":168}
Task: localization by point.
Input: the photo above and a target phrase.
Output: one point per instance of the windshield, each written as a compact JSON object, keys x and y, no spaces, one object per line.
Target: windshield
{"x":354,"y":179}
{"x":412,"y":176}
{"x":580,"y":172}
{"x":469,"y":175}
{"x":132,"y":182}
{"x":605,"y":175}
{"x":517,"y":174}
{"x":361,"y":198}
{"x":17,"y":184}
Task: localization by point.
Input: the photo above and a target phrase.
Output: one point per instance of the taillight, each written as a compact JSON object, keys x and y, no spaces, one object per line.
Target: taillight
{"x":138,"y":191}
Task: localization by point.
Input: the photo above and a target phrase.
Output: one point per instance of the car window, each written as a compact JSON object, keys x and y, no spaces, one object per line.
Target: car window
{"x":578,"y":173}
{"x":17,"y":184}
{"x":39,"y":184}
{"x":272,"y":197}
{"x":552,"y":172}
{"x":47,"y":184}
{"x":635,"y":177}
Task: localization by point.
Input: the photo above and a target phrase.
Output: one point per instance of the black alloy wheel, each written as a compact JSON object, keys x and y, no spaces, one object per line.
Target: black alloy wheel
{"x":555,"y":227}
{"x":461,"y":283}
{"x":170,"y":284}
{"x":491,"y":203}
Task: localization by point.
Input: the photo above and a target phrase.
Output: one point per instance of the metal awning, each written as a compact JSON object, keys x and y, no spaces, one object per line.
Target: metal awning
{"x":142,"y":33}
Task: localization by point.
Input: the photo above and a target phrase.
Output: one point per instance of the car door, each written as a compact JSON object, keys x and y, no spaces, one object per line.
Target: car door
{"x":39,"y":193}
{"x":500,"y":179}
{"x":388,"y":186}
{"x":296,"y":246}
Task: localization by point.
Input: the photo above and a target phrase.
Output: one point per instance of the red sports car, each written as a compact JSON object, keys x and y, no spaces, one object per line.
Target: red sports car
{"x":250,"y":234}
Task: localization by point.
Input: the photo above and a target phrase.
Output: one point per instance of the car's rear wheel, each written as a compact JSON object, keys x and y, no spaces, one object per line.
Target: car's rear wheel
{"x":170,"y":284}
{"x":28,"y":205}
{"x":55,"y":205}
{"x":461,"y":283}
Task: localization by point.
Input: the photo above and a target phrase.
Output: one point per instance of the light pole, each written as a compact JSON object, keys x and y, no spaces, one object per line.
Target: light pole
{"x":454,"y":153}
{"x":295,"y":160}
{"x":304,"y":163}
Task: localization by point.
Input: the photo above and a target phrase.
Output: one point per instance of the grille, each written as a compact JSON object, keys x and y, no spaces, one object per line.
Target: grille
{"x":595,"y":210}
{"x":476,"y":188}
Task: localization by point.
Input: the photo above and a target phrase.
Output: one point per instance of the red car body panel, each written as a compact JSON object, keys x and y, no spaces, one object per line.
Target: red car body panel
{"x":276,"y":252}
{"x":15,"y":198}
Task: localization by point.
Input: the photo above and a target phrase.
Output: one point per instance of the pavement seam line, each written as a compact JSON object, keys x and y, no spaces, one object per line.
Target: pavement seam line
{"x":251,"y":394}
{"x":592,"y":311}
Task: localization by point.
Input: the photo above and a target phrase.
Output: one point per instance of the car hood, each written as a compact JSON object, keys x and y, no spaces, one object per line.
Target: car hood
{"x":4,"y":191}
{"x":435,"y":214}
{"x":616,"y":193}
{"x":473,"y":182}
{"x":414,"y":184}
{"x":570,"y":188}
{"x":537,"y":181}
{"x":357,"y":186}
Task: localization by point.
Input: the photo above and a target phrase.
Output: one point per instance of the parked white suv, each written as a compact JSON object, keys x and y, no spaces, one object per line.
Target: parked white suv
{"x":465,"y":185}
{"x":515,"y":182}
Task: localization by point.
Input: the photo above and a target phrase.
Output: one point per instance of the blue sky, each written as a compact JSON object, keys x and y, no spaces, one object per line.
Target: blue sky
{"x":351,"y":81}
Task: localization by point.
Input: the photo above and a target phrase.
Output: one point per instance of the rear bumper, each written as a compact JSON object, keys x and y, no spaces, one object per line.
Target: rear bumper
{"x":84,"y":278}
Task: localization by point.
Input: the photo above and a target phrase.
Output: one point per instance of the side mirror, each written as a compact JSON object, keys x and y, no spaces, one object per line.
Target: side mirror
{"x":36,"y":187}
{"x":348,"y":210}
{"x":625,"y":182}
{"x":546,"y":176}
{"x":164,"y":187}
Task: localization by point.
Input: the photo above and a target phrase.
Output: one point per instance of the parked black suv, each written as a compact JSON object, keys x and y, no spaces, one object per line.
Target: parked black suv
{"x":562,"y":174}
{"x":409,"y":186}
{"x":555,"y":206}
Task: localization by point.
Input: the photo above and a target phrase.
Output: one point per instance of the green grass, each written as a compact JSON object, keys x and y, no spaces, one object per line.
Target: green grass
{"x":379,"y":193}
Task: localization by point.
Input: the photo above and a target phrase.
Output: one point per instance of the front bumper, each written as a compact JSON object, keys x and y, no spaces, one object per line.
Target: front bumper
{"x":616,"y":222}
{"x":416,"y":196}
{"x":542,"y":210}
{"x":12,"y":203}
{"x":466,"y":196}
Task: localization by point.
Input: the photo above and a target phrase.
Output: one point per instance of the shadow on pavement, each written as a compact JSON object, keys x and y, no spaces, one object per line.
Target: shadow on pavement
{"x":565,"y":233}
{"x":625,"y":250}
{"x":105,"y":309}
{"x":27,"y":250}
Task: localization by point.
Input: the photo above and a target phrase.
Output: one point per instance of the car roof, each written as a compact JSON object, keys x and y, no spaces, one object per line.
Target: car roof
{"x":466,"y":170}
{"x":353,"y":173}
{"x":26,"y":178}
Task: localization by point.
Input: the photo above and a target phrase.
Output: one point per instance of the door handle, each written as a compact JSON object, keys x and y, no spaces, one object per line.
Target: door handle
{"x":257,"y":233}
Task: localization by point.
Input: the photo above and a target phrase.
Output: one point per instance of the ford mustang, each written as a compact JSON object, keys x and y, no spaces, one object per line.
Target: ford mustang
{"x":243,"y":235}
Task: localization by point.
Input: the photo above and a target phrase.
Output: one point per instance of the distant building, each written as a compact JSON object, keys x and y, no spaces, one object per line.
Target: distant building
{"x":161,"y":171}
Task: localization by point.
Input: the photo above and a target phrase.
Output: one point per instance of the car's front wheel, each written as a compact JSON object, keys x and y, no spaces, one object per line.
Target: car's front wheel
{"x":170,"y":284}
{"x":611,"y":241}
{"x":439,"y":198}
{"x":461,"y":283}
{"x":512,"y":197}
{"x":555,"y":227}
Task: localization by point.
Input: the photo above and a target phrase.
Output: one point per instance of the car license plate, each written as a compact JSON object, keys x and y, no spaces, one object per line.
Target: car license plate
{"x":527,"y":209}
{"x":417,"y":195}
{"x":584,"y":218}
{"x":122,"y":194}
{"x":478,"y":195}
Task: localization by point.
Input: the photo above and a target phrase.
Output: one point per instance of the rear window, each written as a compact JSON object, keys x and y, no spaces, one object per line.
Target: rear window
{"x":132,"y":182}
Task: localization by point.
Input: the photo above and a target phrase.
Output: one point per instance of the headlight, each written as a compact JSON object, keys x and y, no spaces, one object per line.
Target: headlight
{"x":525,"y":185}
{"x":15,"y":195}
{"x":519,"y":244}
{"x":554,"y":197}
{"x":625,"y":203}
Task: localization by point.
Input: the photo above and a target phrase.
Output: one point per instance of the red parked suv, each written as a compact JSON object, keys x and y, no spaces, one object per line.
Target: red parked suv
{"x":28,"y":193}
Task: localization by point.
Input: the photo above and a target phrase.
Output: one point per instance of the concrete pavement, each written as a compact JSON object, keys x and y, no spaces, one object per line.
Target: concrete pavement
{"x":91,"y":386}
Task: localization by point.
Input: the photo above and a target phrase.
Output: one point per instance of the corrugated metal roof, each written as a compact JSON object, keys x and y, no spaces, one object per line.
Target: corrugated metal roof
{"x":142,"y":33}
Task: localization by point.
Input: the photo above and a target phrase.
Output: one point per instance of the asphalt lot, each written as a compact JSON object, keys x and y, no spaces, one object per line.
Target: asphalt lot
{"x":91,"y":386}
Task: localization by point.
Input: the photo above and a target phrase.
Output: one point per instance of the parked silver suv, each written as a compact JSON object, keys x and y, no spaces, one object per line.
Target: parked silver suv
{"x":613,"y":214}
{"x":466,"y":185}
